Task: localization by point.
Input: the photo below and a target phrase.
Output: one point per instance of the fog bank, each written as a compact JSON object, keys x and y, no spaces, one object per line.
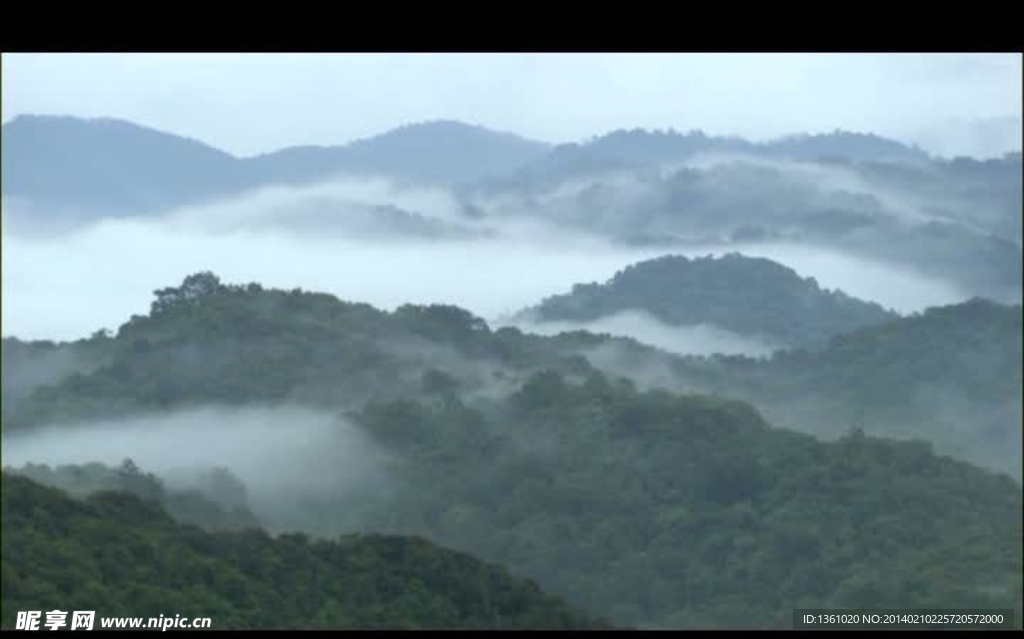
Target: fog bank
{"x":700,"y":339}
{"x":65,"y":286}
{"x":284,"y":455}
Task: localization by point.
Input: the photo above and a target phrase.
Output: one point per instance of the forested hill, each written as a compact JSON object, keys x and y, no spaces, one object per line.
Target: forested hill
{"x":747,"y":295}
{"x":967,"y":338}
{"x":120,"y":556}
{"x":213,"y":499}
{"x":624,"y":149}
{"x":205,"y":341}
{"x":691,"y":512}
{"x":653,"y":508}
{"x":951,"y":375}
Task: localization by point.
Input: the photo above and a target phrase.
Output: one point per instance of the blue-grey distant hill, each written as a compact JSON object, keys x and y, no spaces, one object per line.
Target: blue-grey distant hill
{"x":108,"y":167}
{"x":625,"y":149}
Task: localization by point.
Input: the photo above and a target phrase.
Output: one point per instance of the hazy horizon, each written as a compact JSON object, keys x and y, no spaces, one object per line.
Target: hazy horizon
{"x":948,"y":104}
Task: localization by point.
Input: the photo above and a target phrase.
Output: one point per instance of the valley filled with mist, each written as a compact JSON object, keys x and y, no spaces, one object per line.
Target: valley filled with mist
{"x":449,"y":377}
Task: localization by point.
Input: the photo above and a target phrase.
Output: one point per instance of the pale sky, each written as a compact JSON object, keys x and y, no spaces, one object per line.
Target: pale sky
{"x":254,"y":103}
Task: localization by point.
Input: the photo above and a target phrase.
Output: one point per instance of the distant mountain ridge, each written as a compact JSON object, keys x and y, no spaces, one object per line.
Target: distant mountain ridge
{"x":110,"y":165}
{"x":107,"y":166}
{"x":622,"y":149}
{"x":469,"y":152}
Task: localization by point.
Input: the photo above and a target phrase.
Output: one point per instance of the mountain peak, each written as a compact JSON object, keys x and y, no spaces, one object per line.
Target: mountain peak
{"x":751,"y":296}
{"x":60,"y":124}
{"x":446,"y":127}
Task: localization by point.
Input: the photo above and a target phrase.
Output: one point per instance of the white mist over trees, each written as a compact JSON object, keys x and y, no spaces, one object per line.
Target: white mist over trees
{"x":447,"y":376}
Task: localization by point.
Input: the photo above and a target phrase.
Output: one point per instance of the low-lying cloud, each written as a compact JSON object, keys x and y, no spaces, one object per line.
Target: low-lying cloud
{"x":282,"y":454}
{"x":64,"y":286}
{"x":700,"y":339}
{"x":68,"y":285}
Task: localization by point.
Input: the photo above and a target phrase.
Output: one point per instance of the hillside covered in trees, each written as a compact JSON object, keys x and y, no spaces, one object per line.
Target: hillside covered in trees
{"x":205,"y":341}
{"x":749,"y":296}
{"x":951,"y":375}
{"x":690,"y":511}
{"x":655,"y":508}
{"x":487,"y":356}
{"x":119,"y":555}
{"x":215,"y":500}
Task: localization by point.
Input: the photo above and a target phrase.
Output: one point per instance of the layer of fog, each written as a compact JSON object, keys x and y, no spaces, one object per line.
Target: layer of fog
{"x":981,"y":138}
{"x":284,"y":455}
{"x":808,"y":181}
{"x":648,"y":371}
{"x":23,"y":374}
{"x":984,"y":433}
{"x":66,"y":286}
{"x":701,"y":339}
{"x":915,"y":214}
{"x":829,"y":178}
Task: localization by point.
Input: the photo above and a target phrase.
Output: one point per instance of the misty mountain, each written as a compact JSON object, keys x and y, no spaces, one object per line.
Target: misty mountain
{"x":457,"y":378}
{"x":636,"y":148}
{"x":215,"y":499}
{"x":206,"y":342}
{"x":352,"y":220}
{"x":237,"y":344}
{"x":442,"y":151}
{"x":97,"y":167}
{"x":106,"y":167}
{"x":27,"y":365}
{"x":957,"y":220}
{"x":87,"y":168}
{"x":749,"y":296}
{"x":985,"y":195}
{"x":655,"y":508}
{"x":659,"y":508}
{"x":950,"y":375}
{"x":122,"y":556}
{"x":857,"y":147}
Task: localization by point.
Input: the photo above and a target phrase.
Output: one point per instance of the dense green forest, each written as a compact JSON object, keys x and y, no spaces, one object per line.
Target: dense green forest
{"x":655,"y":508}
{"x":951,"y":375}
{"x":690,"y":511}
{"x":750,"y":296}
{"x":209,"y":342}
{"x":458,"y":377}
{"x":205,"y":341}
{"x":218,"y":501}
{"x":119,"y":555}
